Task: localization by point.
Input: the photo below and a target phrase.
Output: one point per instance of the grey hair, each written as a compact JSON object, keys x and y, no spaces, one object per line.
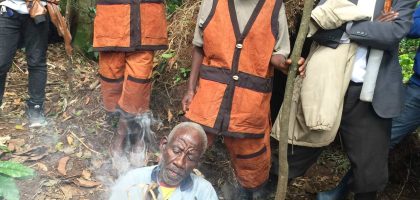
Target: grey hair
{"x":189,"y":126}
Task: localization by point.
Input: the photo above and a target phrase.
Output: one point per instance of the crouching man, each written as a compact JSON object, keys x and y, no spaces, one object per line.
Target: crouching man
{"x":173,"y":177}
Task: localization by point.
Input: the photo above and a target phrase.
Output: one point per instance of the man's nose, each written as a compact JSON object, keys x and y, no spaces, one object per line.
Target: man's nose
{"x":180,"y":161}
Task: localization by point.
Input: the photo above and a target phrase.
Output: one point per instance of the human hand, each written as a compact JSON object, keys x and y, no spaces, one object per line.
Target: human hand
{"x":279,"y":62}
{"x":186,"y":101}
{"x":387,"y":16}
{"x":301,"y":64}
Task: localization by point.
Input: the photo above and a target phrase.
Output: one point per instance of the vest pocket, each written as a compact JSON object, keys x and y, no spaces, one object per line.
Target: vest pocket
{"x":153,"y":22}
{"x":112,"y":25}
{"x":250,"y":111}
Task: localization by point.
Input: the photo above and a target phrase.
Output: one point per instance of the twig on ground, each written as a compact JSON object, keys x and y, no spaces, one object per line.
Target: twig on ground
{"x":80,"y":140}
{"x":18,"y":67}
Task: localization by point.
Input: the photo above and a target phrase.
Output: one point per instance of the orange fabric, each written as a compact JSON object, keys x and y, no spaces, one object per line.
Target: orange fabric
{"x":132,"y":96}
{"x":111,"y":93}
{"x":152,"y":23}
{"x":204,"y":109}
{"x":252,"y":172}
{"x":244,"y":117}
{"x":250,"y":109}
{"x":112,"y":26}
{"x":112,"y":64}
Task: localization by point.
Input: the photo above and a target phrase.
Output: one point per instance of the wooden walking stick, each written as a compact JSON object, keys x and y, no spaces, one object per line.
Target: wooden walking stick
{"x":284,"y":121}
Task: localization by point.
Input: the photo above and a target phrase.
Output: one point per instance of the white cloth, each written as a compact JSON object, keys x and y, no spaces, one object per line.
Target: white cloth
{"x":18,"y":5}
{"x":359,"y":68}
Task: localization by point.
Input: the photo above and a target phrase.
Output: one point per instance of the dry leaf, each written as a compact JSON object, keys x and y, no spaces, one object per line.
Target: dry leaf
{"x":51,"y":183}
{"x":170,"y":116}
{"x":96,"y":163}
{"x":17,"y":143}
{"x":34,"y":153}
{"x":86,"y":174}
{"x":69,"y":150}
{"x":11,"y":147}
{"x":87,"y":101}
{"x":19,"y":159}
{"x":62,"y":165}
{"x":42,"y":167}
{"x":79,"y":154}
{"x":85,"y":183}
{"x":67,"y":191}
{"x":4,"y":140}
{"x":70,"y":140}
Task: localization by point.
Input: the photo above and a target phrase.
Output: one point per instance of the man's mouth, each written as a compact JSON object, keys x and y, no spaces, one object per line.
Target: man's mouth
{"x":174,"y":173}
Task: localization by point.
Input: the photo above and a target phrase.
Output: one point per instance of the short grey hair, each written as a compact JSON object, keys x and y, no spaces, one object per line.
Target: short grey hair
{"x":189,"y":126}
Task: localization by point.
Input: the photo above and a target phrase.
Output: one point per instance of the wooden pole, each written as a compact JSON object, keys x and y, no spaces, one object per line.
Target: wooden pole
{"x":285,"y":112}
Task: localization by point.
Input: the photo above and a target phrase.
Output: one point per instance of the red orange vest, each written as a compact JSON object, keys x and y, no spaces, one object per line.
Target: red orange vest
{"x":130,"y":25}
{"x":234,"y":91}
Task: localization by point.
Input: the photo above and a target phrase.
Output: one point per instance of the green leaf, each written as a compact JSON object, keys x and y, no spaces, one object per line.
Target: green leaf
{"x":167,"y":55}
{"x":8,"y":189}
{"x":15,"y":170}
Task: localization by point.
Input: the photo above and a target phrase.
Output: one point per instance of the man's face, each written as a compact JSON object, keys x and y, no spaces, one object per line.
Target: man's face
{"x":180,"y":156}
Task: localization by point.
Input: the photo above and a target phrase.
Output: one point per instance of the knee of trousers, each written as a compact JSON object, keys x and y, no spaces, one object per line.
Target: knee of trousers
{"x":252,"y":170}
{"x":37,"y":59}
{"x":365,"y":180}
{"x":111,"y":91}
{"x":135,"y":97}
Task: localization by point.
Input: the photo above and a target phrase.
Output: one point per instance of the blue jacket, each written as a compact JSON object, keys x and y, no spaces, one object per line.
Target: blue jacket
{"x":415,"y":33}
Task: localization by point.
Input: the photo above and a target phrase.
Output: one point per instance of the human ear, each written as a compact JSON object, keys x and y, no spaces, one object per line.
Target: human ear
{"x":163,"y":143}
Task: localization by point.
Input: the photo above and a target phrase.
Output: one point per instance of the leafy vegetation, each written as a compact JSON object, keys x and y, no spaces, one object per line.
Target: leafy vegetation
{"x":407,"y":53}
{"x":9,"y":171}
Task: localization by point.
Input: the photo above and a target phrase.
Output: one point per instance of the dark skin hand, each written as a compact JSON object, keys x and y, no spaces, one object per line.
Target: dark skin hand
{"x":277,"y":61}
{"x":280,"y":63}
{"x":179,"y":156}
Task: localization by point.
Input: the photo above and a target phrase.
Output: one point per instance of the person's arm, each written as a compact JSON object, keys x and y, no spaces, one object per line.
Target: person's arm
{"x":197,"y":59}
{"x":282,"y":46}
{"x":384,"y":35}
{"x":197,"y":53}
{"x":415,"y":28}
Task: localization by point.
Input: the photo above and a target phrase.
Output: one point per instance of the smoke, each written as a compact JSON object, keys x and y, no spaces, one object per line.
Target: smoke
{"x":139,"y":145}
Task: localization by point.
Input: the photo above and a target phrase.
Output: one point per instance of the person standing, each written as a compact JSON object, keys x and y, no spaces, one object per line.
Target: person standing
{"x":365,"y":125}
{"x":237,"y":45}
{"x":18,"y":27}
{"x":126,"y":34}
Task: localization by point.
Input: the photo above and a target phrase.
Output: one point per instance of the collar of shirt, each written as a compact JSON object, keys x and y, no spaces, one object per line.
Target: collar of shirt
{"x":186,"y":184}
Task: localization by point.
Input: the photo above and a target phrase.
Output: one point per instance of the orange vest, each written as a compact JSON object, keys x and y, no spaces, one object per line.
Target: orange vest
{"x":130,"y":25}
{"x":234,"y":90}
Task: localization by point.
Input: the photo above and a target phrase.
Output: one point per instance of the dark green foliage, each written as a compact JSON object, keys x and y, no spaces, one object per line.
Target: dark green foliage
{"x":172,"y":5}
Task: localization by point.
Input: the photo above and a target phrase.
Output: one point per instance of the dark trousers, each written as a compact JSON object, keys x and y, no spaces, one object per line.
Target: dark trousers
{"x":366,"y":138}
{"x":34,"y":37}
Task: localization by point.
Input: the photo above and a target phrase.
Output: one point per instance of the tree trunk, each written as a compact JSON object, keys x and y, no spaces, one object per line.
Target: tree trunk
{"x":284,"y":121}
{"x":82,"y":27}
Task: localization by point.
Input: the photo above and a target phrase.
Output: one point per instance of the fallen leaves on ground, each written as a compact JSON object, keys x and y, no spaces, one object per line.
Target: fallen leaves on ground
{"x":85,"y":183}
{"x":62,"y":163}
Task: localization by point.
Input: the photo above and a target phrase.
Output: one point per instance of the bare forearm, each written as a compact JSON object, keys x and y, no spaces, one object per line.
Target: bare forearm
{"x":197,"y":59}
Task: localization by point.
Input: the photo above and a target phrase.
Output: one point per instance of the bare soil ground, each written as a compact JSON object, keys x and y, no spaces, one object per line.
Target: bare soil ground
{"x":77,"y":129}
